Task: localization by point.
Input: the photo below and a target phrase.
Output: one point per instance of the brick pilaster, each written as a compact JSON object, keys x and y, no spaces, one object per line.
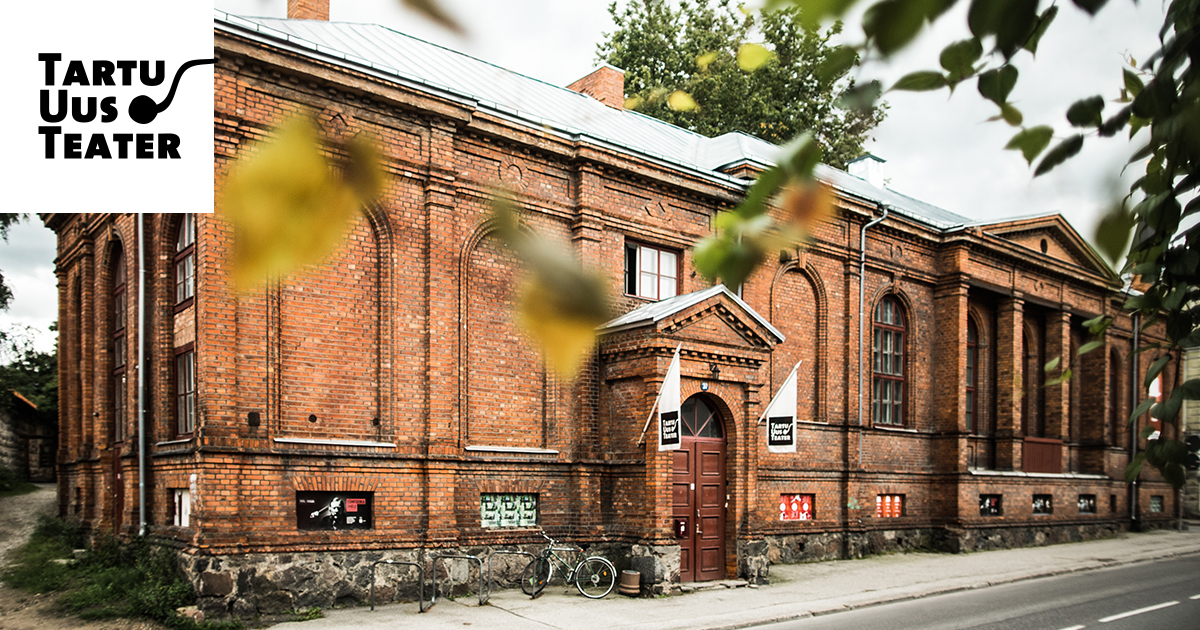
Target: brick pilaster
{"x":1010,"y":362}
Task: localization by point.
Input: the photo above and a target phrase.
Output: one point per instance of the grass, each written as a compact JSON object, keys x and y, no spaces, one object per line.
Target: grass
{"x":113,"y":579}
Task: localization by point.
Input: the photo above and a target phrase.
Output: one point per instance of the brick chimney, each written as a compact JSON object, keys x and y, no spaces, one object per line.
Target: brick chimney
{"x":308,"y":10}
{"x":605,"y":84}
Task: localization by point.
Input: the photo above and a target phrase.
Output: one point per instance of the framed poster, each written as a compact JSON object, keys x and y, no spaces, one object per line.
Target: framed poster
{"x":334,"y":510}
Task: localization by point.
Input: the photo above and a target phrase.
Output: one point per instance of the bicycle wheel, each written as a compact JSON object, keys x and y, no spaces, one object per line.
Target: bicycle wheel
{"x":595,"y":577}
{"x":535,"y":576}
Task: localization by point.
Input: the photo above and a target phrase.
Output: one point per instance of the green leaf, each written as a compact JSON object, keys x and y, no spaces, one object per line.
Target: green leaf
{"x":892,"y":24}
{"x":1167,"y":409}
{"x":1031,"y":142}
{"x":1097,"y":325}
{"x":1059,"y":154}
{"x":1086,"y":112}
{"x":1089,"y":346}
{"x":1190,"y":390}
{"x":1142,"y":408}
{"x":1011,"y":115}
{"x":1044,"y":21}
{"x":1052,"y":363}
{"x":921,"y":81}
{"x":995,"y":85}
{"x":837,"y":63}
{"x":1113,"y":231}
{"x":1011,"y":21}
{"x":1135,"y":124}
{"x":1117,"y":122}
{"x":1156,"y":368}
{"x":1134,"y":468}
{"x":1173,"y":474}
{"x":959,"y":58}
{"x":860,"y":98}
{"x":1091,"y":6}
{"x":1133,"y":83}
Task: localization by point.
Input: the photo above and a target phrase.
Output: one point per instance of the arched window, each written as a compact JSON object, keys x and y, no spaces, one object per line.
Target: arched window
{"x":888,"y":350}
{"x":1114,"y":398}
{"x":185,"y":261}
{"x":972,"y":375}
{"x":700,"y":419}
{"x":117,"y":325}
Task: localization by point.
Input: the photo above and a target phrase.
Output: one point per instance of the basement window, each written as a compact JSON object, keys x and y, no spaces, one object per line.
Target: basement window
{"x":499,"y":511}
{"x":991,"y":505}
{"x":1087,"y":504}
{"x":650,"y":272}
{"x":1043,"y":504}
{"x":889,"y":505}
{"x":182,"y":511}
{"x":797,"y":507}
{"x":1156,"y":503}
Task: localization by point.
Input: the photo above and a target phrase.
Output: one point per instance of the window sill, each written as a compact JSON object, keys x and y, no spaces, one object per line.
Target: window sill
{"x":183,"y":306}
{"x":516,"y":450}
{"x":883,"y":427}
{"x":183,"y":440}
{"x":312,"y":442}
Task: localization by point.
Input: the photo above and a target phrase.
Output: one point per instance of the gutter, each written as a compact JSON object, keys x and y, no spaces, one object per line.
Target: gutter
{"x":141,"y":375}
{"x":862,"y":277}
{"x":1133,"y":437}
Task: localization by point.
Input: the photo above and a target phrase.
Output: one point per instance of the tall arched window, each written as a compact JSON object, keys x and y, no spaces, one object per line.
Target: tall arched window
{"x":972,"y":375}
{"x":1114,"y":398}
{"x":117,"y":325}
{"x":185,"y":261}
{"x":888,"y":350}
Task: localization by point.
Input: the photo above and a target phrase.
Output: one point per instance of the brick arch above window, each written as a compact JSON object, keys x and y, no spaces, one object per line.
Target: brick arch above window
{"x":813,"y":373}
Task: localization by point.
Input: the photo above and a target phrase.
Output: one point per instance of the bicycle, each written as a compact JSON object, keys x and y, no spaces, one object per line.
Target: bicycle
{"x":593,"y":576}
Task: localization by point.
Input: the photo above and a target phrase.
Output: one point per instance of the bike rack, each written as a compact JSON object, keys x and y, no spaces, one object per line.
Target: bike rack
{"x":483,"y":597}
{"x":508,"y":553}
{"x":420,"y":583}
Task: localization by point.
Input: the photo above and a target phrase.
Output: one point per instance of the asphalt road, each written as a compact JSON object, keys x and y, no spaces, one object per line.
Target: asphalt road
{"x":1161,"y":595}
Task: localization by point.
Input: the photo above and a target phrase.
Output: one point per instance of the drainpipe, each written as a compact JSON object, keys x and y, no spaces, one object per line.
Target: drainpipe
{"x":862,"y":282}
{"x":1133,"y":437}
{"x":141,"y":375}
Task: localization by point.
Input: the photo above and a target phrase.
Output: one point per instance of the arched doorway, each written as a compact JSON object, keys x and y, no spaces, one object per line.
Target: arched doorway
{"x":698,"y":492}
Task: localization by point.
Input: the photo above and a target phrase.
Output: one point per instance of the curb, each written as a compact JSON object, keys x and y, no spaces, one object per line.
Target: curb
{"x":820,"y":612}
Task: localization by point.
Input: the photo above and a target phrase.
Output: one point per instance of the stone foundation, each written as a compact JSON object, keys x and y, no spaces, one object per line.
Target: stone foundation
{"x":956,"y":540}
{"x":249,"y":585}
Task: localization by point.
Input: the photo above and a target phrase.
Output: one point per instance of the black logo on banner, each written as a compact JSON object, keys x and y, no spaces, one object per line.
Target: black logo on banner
{"x":56,"y":105}
{"x":779,"y":431}
{"x":669,"y":428}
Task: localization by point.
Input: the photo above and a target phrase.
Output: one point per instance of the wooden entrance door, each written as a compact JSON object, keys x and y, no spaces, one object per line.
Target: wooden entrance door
{"x":698,"y":493}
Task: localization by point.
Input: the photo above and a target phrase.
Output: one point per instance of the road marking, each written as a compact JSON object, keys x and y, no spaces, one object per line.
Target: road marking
{"x":1074,"y":628}
{"x":1194,"y":597}
{"x":1137,"y":612}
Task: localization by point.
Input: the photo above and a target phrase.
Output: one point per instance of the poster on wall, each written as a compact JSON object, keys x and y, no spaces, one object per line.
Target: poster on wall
{"x":508,"y":510}
{"x":796,"y":507}
{"x":334,"y":510}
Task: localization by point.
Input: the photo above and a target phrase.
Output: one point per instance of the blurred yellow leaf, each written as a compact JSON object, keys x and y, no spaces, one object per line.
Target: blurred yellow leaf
{"x":705,"y":60}
{"x":433,"y":10}
{"x":681,"y":101}
{"x":807,"y":202}
{"x":633,"y":102}
{"x":751,"y":56}
{"x":286,"y":204}
{"x":560,"y":305}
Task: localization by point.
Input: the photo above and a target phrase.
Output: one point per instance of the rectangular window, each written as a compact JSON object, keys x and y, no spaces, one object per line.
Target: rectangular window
{"x":118,"y":406}
{"x":1112,"y":503}
{"x":1156,"y":503}
{"x":651,"y":273}
{"x":1087,"y":503}
{"x":797,"y":507}
{"x":1043,"y":504}
{"x":889,"y":505}
{"x":991,"y":505}
{"x":498,"y":511}
{"x":185,"y":392}
{"x":182,"y":516}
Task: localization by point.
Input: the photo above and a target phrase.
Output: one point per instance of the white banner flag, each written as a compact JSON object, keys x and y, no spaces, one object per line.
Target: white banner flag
{"x":670,"y":425}
{"x":781,"y":417}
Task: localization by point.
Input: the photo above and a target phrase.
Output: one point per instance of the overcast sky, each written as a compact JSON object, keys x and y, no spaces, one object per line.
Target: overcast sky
{"x":938,"y":148}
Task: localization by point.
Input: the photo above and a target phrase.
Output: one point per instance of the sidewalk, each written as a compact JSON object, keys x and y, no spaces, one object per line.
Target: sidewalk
{"x":797,"y":590}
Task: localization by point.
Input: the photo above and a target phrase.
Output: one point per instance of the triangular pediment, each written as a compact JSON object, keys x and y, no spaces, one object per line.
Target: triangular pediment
{"x":711,"y":316}
{"x":1051,"y":236}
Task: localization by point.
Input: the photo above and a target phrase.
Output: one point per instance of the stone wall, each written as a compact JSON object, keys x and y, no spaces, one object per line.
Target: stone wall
{"x":11,"y":446}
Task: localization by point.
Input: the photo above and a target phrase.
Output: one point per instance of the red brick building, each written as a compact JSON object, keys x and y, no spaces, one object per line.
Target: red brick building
{"x":384,"y":401}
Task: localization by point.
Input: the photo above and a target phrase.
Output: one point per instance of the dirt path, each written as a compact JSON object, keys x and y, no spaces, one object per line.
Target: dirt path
{"x":27,"y":611}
